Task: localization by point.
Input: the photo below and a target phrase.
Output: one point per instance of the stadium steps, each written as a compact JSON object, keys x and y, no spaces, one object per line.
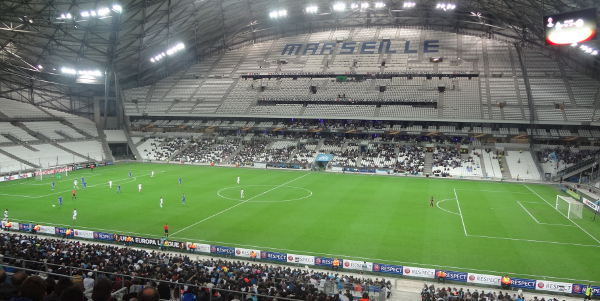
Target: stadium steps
{"x":563,"y":76}
{"x":18,"y":159}
{"x":504,"y":168}
{"x":67,"y":123}
{"x":179,"y":151}
{"x":428,"y":165}
{"x":132,"y":146}
{"x":482,"y":164}
{"x":20,"y":142}
{"x":513,"y":68}
{"x":488,"y":74}
{"x":102,"y":137}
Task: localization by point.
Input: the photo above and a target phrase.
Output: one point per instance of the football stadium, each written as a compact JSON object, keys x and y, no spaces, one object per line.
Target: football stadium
{"x":250,"y":150}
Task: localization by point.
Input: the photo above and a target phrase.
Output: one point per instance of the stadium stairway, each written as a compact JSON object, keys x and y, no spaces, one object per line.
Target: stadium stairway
{"x":102,"y":137}
{"x":18,"y":159}
{"x":132,"y":146}
{"x":51,"y":142}
{"x":483,"y":171}
{"x":504,"y":168}
{"x":428,"y":165}
{"x":183,"y":148}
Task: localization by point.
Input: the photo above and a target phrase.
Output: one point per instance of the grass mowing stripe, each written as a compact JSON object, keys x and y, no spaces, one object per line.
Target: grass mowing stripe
{"x":578,"y":226}
{"x":238,"y":204}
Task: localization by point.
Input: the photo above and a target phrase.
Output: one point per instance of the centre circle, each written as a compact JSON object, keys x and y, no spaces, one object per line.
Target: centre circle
{"x":253,"y":193}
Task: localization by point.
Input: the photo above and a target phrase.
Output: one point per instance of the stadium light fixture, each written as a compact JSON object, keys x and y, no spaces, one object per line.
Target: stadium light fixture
{"x":339,"y":6}
{"x":40,"y":67}
{"x":364,"y":5}
{"x":312,"y":9}
{"x":408,"y":4}
{"x":169,"y":52}
{"x":379,"y":5}
{"x":276,"y":14}
{"x":117,"y":8}
{"x":66,"y":16}
{"x":445,"y":6}
{"x":82,"y":73}
{"x":101,"y":12}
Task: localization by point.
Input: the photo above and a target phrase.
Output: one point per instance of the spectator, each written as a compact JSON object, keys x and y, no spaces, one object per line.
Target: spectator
{"x":102,"y":290}
{"x":72,"y":293}
{"x":148,"y":294}
{"x":32,"y":289}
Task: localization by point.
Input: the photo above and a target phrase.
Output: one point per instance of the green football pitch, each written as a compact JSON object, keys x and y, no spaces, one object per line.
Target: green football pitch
{"x":474,"y":226}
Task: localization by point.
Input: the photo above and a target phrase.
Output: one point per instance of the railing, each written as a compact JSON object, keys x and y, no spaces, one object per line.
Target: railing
{"x":579,"y":165}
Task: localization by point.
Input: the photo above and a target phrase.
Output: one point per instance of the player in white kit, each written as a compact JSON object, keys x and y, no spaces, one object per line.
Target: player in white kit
{"x":74,"y":214}
{"x":242,"y":194}
{"x":161,"y":202}
{"x":238,"y":180}
{"x":139,"y":187}
{"x":110,"y":184}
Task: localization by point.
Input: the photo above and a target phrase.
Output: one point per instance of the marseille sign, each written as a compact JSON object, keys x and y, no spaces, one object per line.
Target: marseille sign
{"x":372,"y":47}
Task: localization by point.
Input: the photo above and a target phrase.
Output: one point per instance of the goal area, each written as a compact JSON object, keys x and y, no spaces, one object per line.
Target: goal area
{"x":569,"y":207}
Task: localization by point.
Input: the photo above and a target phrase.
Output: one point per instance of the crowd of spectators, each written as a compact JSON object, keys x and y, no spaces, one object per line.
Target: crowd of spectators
{"x":164,"y":149}
{"x":97,"y":271}
{"x":208,"y":150}
{"x":379,"y":156}
{"x":432,"y":293}
{"x":565,"y":155}
{"x":251,"y":151}
{"x":411,"y":160}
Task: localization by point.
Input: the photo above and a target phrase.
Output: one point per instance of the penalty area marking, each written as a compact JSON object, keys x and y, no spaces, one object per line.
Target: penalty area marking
{"x":308,"y":192}
{"x":437,"y":204}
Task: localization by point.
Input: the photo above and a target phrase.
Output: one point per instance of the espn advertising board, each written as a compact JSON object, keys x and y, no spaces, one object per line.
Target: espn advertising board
{"x":357,"y":265}
{"x":552,"y":286}
{"x":483,"y":279}
{"x":301,"y":259}
{"x":418,"y":272}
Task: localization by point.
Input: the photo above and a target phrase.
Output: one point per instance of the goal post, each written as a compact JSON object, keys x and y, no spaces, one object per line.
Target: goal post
{"x":569,"y":207}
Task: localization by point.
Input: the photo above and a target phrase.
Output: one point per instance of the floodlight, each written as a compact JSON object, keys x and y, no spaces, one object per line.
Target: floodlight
{"x":339,"y":6}
{"x":85,"y":14}
{"x":104,"y":11}
{"x":408,"y":4}
{"x":40,"y":67}
{"x":445,"y":6}
{"x":353,"y":6}
{"x":274,"y":14}
{"x":364,"y":5}
{"x":379,"y":5}
{"x":67,"y":70}
{"x":117,"y":8}
{"x":595,"y":52}
{"x":312,"y":9}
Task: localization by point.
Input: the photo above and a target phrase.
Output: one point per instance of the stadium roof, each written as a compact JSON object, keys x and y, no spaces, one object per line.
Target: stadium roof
{"x":38,"y":37}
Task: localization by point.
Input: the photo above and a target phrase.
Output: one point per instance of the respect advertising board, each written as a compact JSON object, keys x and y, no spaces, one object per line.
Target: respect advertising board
{"x":418,"y":272}
{"x":483,"y":279}
{"x":246,"y":253}
{"x":300,"y":259}
{"x":523,"y":283}
{"x":357,"y":265}
{"x":221,"y":250}
{"x":455,"y":276}
{"x":275,"y":256}
{"x":552,"y":286}
{"x":388,"y":268}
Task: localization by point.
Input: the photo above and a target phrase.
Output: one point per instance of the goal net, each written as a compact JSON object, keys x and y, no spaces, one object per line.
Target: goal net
{"x":53,"y":172}
{"x":569,"y":207}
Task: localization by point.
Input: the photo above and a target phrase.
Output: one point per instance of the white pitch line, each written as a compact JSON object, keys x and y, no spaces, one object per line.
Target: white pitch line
{"x":238,"y":204}
{"x":437,"y":204}
{"x":536,"y":220}
{"x":537,"y":241}
{"x":574,"y":223}
{"x":460,"y":213}
{"x":533,"y":217}
{"x":494,"y":191}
